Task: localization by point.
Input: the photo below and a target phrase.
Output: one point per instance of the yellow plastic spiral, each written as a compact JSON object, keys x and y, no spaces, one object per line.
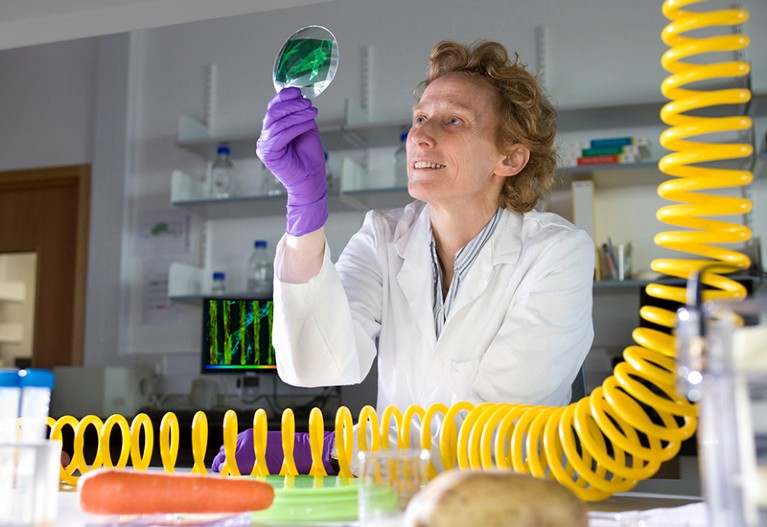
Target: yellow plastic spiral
{"x":627,"y":427}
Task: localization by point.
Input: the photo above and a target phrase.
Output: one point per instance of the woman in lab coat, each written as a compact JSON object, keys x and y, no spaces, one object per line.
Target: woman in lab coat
{"x":466,"y":294}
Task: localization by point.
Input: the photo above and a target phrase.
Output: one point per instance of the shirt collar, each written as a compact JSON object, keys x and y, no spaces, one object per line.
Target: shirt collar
{"x":465,"y":256}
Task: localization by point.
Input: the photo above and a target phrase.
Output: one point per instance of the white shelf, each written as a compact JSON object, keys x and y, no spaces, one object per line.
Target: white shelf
{"x":195,"y":295}
{"x":11,"y":332}
{"x":353,"y":133}
{"x":643,"y":173}
{"x":186,"y":284}
{"x":13,"y":291}
{"x":188,"y":192}
{"x":617,"y":175}
{"x":263,"y":206}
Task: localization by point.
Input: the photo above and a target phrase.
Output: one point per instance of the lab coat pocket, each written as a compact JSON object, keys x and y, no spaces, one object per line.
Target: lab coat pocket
{"x":463,"y":374}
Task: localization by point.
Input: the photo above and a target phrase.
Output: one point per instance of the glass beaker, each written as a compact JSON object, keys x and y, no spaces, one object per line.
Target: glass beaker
{"x":723,"y":363}
{"x":388,"y":480}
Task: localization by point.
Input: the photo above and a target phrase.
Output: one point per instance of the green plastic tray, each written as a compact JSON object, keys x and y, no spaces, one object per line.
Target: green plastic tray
{"x":310,"y":499}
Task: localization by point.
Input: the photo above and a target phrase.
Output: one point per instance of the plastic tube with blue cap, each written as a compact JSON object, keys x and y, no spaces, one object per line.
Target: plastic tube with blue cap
{"x":10,"y":396}
{"x":29,"y":463}
{"x":36,"y":386}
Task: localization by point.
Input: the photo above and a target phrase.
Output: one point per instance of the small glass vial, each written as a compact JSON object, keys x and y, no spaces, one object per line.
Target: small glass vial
{"x":218,"y":284}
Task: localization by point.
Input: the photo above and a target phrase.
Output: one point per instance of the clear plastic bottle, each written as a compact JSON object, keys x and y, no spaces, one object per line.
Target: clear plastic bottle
{"x":221,"y":173}
{"x":218,"y":283}
{"x":271,"y":185}
{"x":400,"y":163}
{"x":260,"y":270}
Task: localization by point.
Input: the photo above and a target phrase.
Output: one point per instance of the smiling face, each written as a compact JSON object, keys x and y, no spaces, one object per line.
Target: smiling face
{"x":453,"y":159}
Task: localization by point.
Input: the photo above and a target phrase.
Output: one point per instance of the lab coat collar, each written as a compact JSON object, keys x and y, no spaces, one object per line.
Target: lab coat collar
{"x":506,"y":242}
{"x":411,"y":242}
{"x":503,"y":248}
{"x":415,"y":277}
{"x":412,"y":230}
{"x":412,"y":235}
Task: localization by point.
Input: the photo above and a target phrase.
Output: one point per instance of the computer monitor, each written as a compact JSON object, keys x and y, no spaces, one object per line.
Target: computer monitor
{"x":236,"y":336}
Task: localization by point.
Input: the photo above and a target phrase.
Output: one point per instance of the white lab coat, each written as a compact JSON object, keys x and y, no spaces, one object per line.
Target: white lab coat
{"x":518,"y":330}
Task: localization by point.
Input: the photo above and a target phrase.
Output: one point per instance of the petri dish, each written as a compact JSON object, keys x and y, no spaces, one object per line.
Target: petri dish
{"x":309,"y":499}
{"x":307,"y":60}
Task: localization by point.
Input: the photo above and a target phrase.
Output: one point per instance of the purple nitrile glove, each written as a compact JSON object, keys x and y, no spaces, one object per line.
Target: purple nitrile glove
{"x":302,"y":452}
{"x":291,"y":149}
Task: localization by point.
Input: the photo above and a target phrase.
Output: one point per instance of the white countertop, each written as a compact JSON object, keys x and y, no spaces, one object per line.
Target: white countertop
{"x":628,"y":509}
{"x":70,"y":515}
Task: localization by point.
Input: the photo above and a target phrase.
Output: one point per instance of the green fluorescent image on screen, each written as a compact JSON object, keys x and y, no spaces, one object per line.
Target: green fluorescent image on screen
{"x":236,"y":336}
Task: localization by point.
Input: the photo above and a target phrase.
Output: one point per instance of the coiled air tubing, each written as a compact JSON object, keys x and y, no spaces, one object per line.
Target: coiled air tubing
{"x":627,"y":427}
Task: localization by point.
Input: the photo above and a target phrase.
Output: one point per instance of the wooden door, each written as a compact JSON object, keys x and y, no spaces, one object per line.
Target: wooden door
{"x":46,"y":211}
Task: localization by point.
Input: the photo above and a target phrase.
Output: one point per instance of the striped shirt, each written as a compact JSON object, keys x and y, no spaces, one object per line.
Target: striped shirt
{"x":463,"y":260}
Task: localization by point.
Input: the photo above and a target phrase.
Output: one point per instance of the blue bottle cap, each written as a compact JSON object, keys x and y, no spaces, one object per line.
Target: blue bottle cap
{"x":36,"y":378}
{"x":9,"y":378}
{"x":260,"y":243}
{"x":223,"y":150}
{"x":403,"y":137}
{"x":219,"y":275}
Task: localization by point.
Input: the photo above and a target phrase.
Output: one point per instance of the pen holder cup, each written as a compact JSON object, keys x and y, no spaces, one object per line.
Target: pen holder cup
{"x":29,"y":483}
{"x":615,"y":261}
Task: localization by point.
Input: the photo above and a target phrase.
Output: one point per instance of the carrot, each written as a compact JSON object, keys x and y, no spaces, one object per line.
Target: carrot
{"x":120,"y":491}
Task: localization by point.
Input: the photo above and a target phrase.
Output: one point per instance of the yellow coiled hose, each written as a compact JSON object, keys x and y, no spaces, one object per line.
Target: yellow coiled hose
{"x":602,"y":444}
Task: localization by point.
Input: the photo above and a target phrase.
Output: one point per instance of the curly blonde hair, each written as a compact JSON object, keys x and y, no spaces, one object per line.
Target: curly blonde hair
{"x":527,"y":117}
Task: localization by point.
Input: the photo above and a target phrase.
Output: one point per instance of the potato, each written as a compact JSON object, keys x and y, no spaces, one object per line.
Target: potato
{"x":494,"y":499}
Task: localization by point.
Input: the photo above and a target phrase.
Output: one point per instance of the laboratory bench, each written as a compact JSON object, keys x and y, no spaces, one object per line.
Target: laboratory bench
{"x":626,"y":509}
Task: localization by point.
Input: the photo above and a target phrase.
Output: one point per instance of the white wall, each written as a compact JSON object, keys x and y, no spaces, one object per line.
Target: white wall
{"x":115,"y":101}
{"x":47,"y":111}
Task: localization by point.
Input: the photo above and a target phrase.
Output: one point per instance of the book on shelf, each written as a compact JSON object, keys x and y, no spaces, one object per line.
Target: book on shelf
{"x":631,"y":144}
{"x":633,"y":150}
{"x":607,"y":151}
{"x":613,"y":159}
{"x":617,"y":141}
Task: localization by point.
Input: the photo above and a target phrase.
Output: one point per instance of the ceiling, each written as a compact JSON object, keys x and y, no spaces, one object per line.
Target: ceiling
{"x":29,"y":22}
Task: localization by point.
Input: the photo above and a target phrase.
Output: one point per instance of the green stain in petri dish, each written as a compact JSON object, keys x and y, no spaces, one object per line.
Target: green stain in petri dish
{"x":304,"y":61}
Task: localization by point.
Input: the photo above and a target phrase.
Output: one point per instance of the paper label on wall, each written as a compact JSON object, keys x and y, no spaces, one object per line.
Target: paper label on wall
{"x":164,"y":232}
{"x":157,"y":307}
